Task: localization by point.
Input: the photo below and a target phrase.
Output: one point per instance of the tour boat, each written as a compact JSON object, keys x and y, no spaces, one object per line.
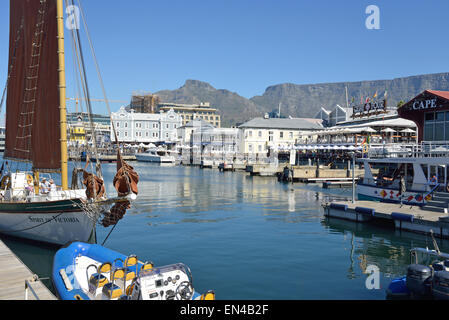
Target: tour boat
{"x":83,"y":271}
{"x":157,"y":155}
{"x":36,"y":134}
{"x":423,"y":176}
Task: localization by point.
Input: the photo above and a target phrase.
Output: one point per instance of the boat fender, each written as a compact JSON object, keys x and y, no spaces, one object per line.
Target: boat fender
{"x":402,"y":217}
{"x":338,"y":206}
{"x":66,"y":280}
{"x":30,"y":179}
{"x":5,"y":182}
{"x":368,"y":211}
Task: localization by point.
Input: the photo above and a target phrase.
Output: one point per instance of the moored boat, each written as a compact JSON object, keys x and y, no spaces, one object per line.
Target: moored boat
{"x":422,"y":177}
{"x":36,"y":135}
{"x":427,"y":276}
{"x":83,"y":271}
{"x":156,"y":155}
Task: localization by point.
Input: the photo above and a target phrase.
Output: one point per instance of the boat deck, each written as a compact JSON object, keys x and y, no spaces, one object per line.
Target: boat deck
{"x":13,"y":276}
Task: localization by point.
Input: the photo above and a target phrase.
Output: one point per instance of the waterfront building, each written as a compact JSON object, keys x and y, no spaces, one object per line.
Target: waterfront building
{"x":190,"y":112}
{"x":144,"y":103}
{"x":80,"y":129}
{"x":217,"y":141}
{"x":260,"y":135}
{"x":430,"y":112}
{"x":185,"y":132}
{"x":380,"y":131}
{"x":133,"y":127}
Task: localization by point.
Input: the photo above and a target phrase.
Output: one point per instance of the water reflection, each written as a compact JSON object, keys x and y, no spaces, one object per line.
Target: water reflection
{"x":378,"y":245}
{"x":255,"y":226}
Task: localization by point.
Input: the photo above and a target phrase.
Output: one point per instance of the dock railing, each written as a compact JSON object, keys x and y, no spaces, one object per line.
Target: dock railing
{"x":29,"y":286}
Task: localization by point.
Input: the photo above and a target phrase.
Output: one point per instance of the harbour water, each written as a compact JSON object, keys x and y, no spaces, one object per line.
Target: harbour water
{"x":248,"y":237}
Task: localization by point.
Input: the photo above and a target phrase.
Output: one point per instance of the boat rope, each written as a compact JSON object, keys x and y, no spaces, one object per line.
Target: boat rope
{"x":97,"y":66}
{"x":77,"y":48}
{"x":100,"y":78}
{"x":115,"y":225}
{"x":30,"y":228}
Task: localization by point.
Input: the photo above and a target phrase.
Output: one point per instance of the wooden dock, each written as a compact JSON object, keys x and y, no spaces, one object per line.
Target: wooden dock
{"x":13,"y":275}
{"x":403,"y":217}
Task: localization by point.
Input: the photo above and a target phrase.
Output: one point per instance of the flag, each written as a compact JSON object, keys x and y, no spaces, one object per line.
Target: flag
{"x":367,"y":100}
{"x":352,"y":100}
{"x":375,"y":95}
{"x":385,"y":94}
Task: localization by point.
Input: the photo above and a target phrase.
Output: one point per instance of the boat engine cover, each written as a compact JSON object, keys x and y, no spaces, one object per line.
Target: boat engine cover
{"x":418,"y":279}
{"x":440,"y":285}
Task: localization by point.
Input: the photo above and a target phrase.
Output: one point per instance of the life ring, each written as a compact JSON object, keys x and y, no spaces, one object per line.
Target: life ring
{"x":5,"y":182}
{"x":30,"y":179}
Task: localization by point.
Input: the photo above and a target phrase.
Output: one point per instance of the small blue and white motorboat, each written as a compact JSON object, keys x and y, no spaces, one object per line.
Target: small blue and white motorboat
{"x":83,"y":271}
{"x":427,"y":276}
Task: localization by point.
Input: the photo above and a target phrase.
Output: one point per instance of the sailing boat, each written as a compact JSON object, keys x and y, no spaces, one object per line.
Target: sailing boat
{"x":36,"y":133}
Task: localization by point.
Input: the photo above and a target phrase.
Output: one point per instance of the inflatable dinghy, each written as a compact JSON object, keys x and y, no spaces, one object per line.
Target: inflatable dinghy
{"x":83,"y":271}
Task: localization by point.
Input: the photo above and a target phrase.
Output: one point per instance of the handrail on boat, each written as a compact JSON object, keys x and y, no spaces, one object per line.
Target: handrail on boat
{"x":431,"y":191}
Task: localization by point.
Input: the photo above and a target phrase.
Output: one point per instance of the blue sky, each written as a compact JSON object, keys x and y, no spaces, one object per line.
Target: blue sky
{"x":246,"y":45}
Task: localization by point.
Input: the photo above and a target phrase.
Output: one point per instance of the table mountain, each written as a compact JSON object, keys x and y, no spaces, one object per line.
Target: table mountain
{"x":301,"y":100}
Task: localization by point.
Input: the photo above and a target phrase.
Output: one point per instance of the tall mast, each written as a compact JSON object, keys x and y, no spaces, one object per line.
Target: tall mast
{"x":62,"y":94}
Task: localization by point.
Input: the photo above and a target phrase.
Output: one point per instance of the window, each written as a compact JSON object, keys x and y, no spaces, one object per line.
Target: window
{"x":290,"y":135}
{"x":126,"y":124}
{"x":436,"y":125}
{"x":118,"y":125}
{"x":260,"y":148}
{"x":250,"y":133}
{"x":260,"y":134}
{"x":281,"y":134}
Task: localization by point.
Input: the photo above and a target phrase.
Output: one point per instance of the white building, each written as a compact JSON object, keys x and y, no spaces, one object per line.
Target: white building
{"x":260,"y":135}
{"x":135,"y":127}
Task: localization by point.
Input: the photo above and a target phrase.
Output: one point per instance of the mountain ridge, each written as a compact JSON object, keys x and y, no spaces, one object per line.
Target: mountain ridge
{"x":301,"y":100}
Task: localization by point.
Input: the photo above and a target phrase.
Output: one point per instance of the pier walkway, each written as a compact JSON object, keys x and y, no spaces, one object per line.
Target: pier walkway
{"x":13,"y":275}
{"x":406,"y":217}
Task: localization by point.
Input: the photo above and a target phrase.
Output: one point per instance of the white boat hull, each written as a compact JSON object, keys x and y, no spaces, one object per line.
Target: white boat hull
{"x":55,"y":222}
{"x":367,"y":192}
{"x":155,"y":159}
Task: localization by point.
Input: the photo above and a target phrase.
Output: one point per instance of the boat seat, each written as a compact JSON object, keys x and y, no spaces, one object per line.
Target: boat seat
{"x":209,"y":295}
{"x":130,"y":288}
{"x":130,"y":267}
{"x":97,"y":279}
{"x":147,"y":266}
{"x":111,"y":290}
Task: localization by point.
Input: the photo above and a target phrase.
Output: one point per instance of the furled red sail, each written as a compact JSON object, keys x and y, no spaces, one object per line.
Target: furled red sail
{"x":126,"y":179}
{"x":32,"y":107}
{"x":125,"y":182}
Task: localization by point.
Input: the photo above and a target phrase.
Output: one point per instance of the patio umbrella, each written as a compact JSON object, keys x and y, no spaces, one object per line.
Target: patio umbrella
{"x":389,"y":130}
{"x":408,"y":130}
